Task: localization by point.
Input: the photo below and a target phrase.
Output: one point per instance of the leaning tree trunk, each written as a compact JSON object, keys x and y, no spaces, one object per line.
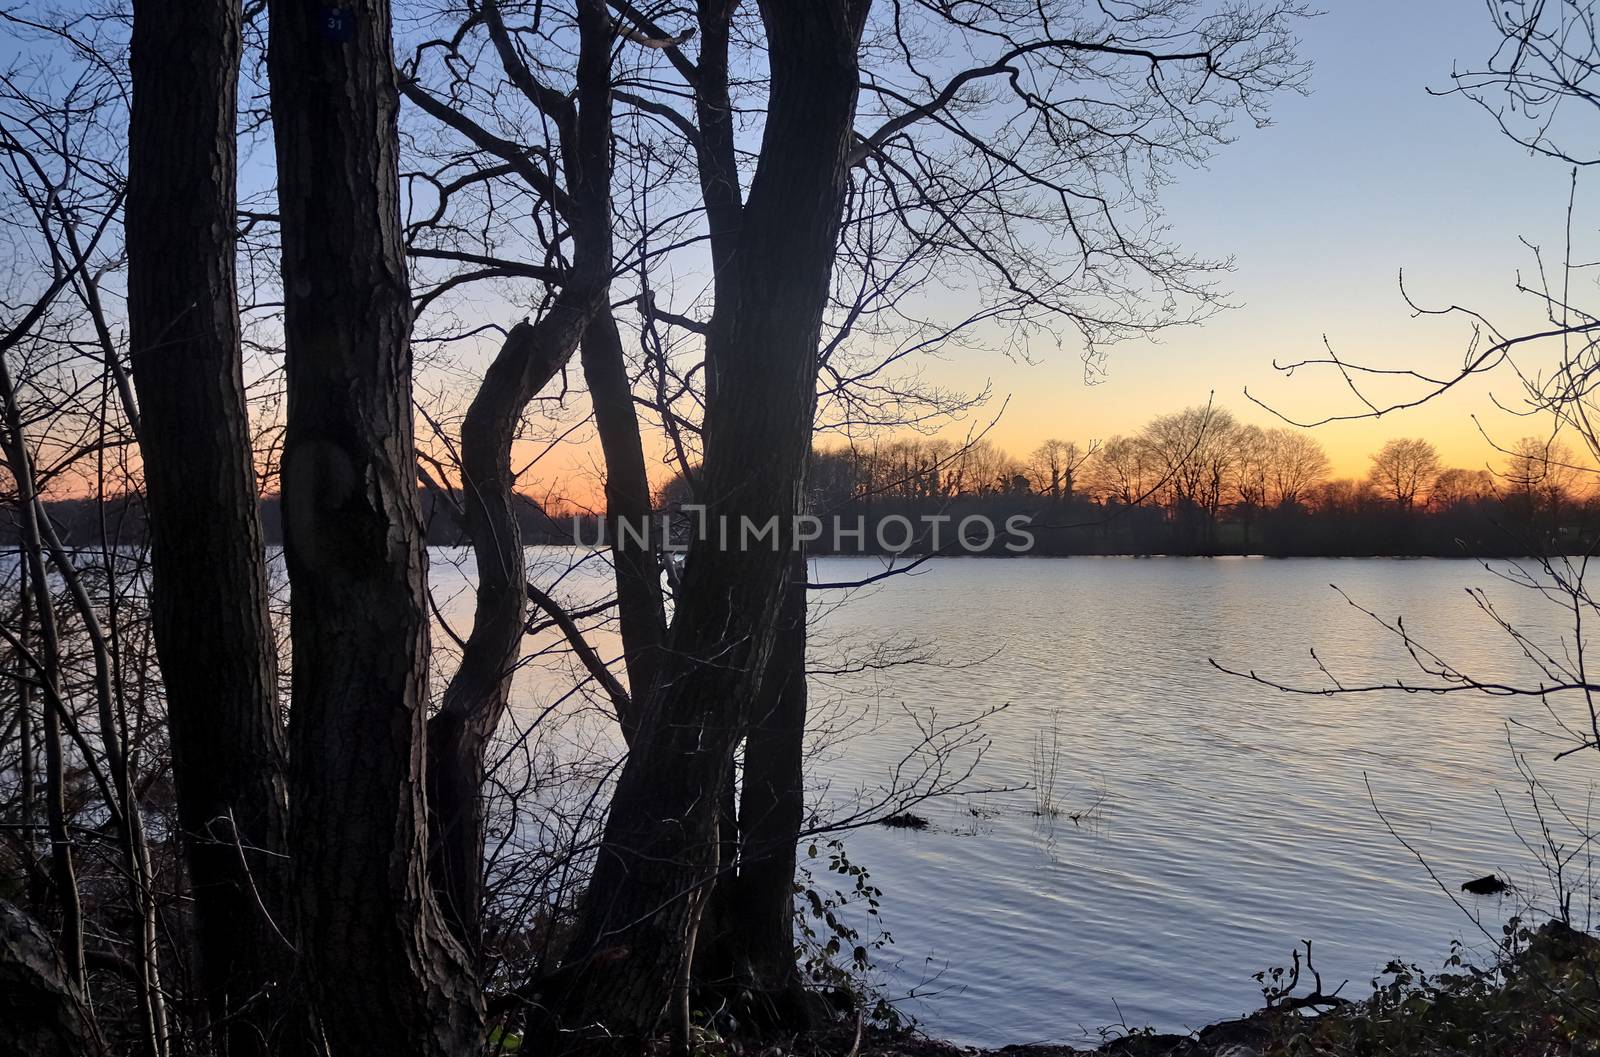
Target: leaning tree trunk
{"x":475,"y":700}
{"x":209,"y":585}
{"x":384,"y":971}
{"x":636,"y":929}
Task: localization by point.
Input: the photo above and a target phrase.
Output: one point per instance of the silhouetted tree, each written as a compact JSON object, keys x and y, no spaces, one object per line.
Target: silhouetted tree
{"x":1124,"y":472}
{"x":209,"y":586}
{"x":1538,"y":473}
{"x":1403,"y":470}
{"x":384,"y":971}
{"x":1055,"y":467}
{"x":1456,"y":486}
{"x":860,"y":192}
{"x":1296,"y":465}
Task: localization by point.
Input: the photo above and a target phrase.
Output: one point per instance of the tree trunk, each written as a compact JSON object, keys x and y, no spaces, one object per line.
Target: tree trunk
{"x":771,"y":811}
{"x":640,"y":611}
{"x":475,"y":700}
{"x":660,"y":840}
{"x":44,"y":1011}
{"x":746,"y":948}
{"x":717,"y":163}
{"x":385,"y":973}
{"x":209,"y":588}
{"x":63,"y":872}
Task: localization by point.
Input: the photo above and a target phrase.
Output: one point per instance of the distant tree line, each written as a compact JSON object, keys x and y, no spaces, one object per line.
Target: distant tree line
{"x":1196,"y":481}
{"x":1199,"y":481}
{"x":121,"y":520}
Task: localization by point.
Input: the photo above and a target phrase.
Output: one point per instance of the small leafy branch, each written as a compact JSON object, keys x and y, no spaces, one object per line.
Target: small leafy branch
{"x":833,"y":952}
{"x":1279,"y":984}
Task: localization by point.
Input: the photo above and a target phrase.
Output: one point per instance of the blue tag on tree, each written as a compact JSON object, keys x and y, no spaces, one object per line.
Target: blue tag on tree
{"x":337,"y":24}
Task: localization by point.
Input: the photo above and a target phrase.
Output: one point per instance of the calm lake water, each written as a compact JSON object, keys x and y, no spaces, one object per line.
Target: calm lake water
{"x":1225,"y":821}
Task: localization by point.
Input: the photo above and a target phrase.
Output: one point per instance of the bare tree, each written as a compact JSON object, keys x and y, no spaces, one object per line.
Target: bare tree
{"x":876,"y":170}
{"x":61,"y":202}
{"x":922,"y":203}
{"x":476,"y":698}
{"x":660,"y":842}
{"x":1403,"y":470}
{"x":1455,"y":486}
{"x":384,"y":971}
{"x":1125,"y":471}
{"x":1539,"y":472}
{"x":209,"y":589}
{"x":1197,"y":455}
{"x":1297,"y":464}
{"x":1055,"y":467}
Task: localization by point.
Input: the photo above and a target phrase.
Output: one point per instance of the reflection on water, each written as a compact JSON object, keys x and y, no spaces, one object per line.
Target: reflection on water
{"x":1220,"y":823}
{"x":1232,"y":820}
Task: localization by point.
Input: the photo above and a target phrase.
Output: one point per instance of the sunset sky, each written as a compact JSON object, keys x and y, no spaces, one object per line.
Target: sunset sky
{"x":1364,"y":177}
{"x":1352,"y":183}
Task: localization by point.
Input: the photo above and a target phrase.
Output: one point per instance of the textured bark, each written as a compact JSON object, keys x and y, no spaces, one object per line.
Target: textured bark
{"x":384,"y":971}
{"x":724,"y":962}
{"x":475,"y":700}
{"x":209,"y":587}
{"x":746,"y":949}
{"x":771,"y":810}
{"x":641,"y":616}
{"x":43,"y":1011}
{"x":660,"y":841}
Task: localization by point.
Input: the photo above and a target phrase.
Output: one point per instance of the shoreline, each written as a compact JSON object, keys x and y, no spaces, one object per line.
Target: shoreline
{"x":1541,"y":997}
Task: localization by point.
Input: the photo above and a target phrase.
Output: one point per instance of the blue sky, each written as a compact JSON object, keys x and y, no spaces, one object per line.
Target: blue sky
{"x":1366,"y":175}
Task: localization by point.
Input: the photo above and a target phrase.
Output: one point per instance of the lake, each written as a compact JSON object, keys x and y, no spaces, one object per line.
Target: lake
{"x":1222,"y":822}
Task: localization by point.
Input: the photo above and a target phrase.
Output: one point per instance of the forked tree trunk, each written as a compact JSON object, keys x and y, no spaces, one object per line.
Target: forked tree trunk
{"x":724,"y":961}
{"x":385,"y":973}
{"x":209,"y":587}
{"x":659,"y":848}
